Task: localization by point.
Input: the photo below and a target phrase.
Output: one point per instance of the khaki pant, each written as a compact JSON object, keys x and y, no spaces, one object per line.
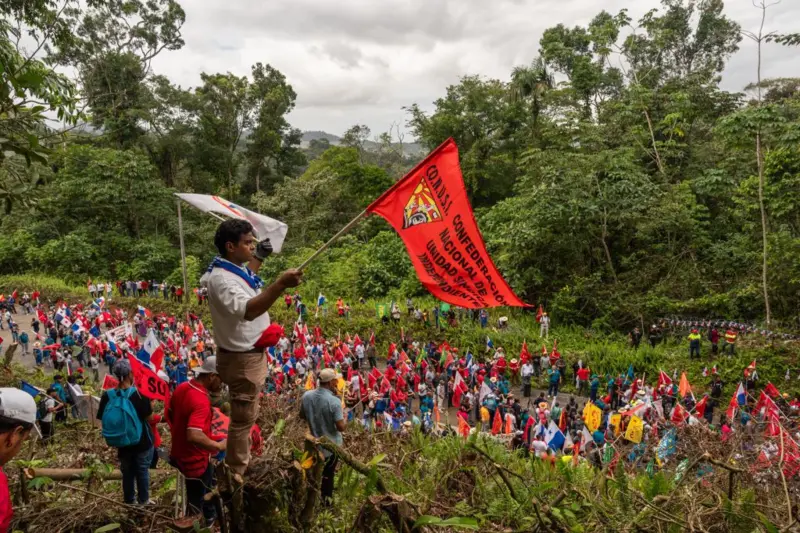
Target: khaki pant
{"x":244,"y":374}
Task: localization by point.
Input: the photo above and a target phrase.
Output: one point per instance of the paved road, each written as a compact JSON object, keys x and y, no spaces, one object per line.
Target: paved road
{"x":28,"y":361}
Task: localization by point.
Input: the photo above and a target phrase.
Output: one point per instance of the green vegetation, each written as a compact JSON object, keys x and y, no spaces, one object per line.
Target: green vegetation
{"x":612,"y":177}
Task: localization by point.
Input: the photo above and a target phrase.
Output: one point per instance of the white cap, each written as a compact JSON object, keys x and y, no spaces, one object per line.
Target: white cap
{"x":17,"y":405}
{"x":209,"y":366}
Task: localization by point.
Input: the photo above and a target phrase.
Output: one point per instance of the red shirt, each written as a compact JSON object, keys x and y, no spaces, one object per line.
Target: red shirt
{"x":583,"y":374}
{"x":155,"y":419}
{"x":190,"y":407}
{"x":6,"y":511}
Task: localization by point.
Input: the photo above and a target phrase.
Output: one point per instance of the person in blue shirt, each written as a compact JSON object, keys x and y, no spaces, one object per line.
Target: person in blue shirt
{"x":554,"y":377}
{"x":58,"y":386}
{"x":37,"y":353}
{"x":426,"y":404}
{"x":181,"y":373}
{"x":503,"y":386}
{"x":484,"y":318}
{"x":593,"y":387}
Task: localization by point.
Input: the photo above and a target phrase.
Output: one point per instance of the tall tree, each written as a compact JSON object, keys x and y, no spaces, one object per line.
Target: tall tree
{"x":273,"y":146}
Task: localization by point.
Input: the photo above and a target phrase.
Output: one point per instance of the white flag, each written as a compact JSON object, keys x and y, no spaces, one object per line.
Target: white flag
{"x":265,"y":227}
{"x":484,"y":392}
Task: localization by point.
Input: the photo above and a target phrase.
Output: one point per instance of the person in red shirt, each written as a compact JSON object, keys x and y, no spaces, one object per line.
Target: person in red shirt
{"x":190,"y":418}
{"x":17,"y":418}
{"x":583,"y":380}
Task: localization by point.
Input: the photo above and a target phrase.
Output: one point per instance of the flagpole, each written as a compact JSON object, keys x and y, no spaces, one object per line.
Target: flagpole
{"x":341,"y":232}
{"x":183,"y":250}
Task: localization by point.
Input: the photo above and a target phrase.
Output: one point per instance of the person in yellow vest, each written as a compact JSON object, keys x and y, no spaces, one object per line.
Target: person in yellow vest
{"x":485,"y":417}
{"x":194,"y":362}
{"x":730,"y":341}
{"x":694,"y":344}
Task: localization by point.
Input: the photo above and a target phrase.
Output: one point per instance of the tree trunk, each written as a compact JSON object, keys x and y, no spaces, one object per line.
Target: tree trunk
{"x":760,"y":156}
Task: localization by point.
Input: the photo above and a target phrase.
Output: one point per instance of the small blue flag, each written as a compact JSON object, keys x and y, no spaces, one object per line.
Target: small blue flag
{"x":30,"y":389}
{"x":143,"y":356}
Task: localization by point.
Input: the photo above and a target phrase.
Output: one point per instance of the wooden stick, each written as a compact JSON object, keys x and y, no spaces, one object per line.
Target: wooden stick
{"x":333,"y":239}
{"x":76,"y":474}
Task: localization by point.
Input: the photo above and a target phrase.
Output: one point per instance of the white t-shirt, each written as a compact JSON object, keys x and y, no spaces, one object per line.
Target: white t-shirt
{"x":228,"y":295}
{"x":51,"y":404}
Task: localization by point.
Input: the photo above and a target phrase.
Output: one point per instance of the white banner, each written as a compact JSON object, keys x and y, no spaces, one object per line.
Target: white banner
{"x":264,"y":226}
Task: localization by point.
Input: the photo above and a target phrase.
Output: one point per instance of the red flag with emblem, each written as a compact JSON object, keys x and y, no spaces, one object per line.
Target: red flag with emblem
{"x":430,"y":211}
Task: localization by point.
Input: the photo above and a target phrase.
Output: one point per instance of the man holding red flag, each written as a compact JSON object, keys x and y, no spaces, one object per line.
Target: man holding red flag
{"x":239,"y":308}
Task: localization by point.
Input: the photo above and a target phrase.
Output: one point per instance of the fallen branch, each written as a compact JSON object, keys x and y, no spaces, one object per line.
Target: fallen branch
{"x":349,"y":460}
{"x":78,"y":474}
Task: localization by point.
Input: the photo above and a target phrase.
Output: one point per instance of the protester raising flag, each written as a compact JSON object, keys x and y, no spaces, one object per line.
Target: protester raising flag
{"x":430,"y":211}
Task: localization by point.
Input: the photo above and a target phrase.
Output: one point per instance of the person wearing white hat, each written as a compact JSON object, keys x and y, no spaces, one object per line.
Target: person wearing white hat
{"x":322,"y":409}
{"x":17,"y":418}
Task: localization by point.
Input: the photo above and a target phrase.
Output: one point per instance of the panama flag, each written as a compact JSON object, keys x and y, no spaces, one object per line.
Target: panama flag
{"x":459,"y":388}
{"x":554,"y":437}
{"x":100,"y":302}
{"x":144,"y":311}
{"x":489,"y":343}
{"x":151,"y":352}
{"x":77,"y":327}
{"x":739,"y":398}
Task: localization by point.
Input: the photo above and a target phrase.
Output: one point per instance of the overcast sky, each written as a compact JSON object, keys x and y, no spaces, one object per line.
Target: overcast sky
{"x":361,"y":61}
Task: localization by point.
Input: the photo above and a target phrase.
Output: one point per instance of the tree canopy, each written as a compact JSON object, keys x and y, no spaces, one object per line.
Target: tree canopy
{"x":612,"y":177}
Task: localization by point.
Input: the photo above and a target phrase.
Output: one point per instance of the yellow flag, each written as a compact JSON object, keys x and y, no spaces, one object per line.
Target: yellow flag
{"x":592,"y":416}
{"x":310,"y":381}
{"x":615,"y":420}
{"x":635,"y":430}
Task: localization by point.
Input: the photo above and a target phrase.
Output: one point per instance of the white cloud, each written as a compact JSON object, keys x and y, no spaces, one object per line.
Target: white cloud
{"x":360,"y":61}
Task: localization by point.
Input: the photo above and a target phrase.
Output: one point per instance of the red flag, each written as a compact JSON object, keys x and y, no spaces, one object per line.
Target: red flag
{"x":148,"y":383}
{"x":373,"y":377}
{"x":357,"y":341}
{"x":430,"y":211}
{"x":35,"y":295}
{"x":524,"y":354}
{"x":390,"y":372}
{"x":679,"y":415}
{"x":372,"y":339}
{"x":539,"y":313}
{"x":700,"y":407}
{"x":772,"y":390}
{"x":459,"y":388}
{"x":14,"y":294}
{"x":663,"y":379}
{"x":497,"y":423}
{"x":110,"y":382}
{"x":392,"y":348}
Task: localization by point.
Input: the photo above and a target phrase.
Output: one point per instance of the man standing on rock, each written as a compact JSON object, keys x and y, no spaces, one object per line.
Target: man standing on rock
{"x":239,"y":308}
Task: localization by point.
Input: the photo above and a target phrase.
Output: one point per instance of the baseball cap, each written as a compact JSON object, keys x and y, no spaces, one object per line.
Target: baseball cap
{"x":327,"y":375}
{"x":17,"y":405}
{"x":209,"y":366}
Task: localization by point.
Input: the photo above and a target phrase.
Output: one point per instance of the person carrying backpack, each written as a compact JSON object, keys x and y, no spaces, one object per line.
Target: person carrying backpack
{"x":125,"y":415}
{"x":44,"y":413}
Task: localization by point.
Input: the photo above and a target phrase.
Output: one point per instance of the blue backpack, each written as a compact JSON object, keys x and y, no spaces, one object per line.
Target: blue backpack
{"x":121,"y":424}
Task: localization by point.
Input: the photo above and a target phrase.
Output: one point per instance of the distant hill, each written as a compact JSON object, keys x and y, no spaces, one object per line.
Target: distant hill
{"x":409,"y":148}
